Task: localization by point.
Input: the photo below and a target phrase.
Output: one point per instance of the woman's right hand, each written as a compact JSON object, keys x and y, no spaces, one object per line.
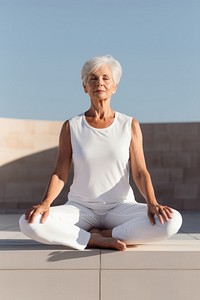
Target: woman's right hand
{"x":35,"y":210}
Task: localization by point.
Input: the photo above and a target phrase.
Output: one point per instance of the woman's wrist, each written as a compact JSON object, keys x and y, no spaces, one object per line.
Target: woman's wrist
{"x":46,"y":202}
{"x":152,"y":202}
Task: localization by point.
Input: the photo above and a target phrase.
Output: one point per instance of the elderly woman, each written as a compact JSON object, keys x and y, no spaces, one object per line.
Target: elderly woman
{"x":103,"y":145}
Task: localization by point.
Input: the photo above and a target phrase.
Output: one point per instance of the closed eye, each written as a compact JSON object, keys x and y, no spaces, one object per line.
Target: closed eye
{"x":93,"y":78}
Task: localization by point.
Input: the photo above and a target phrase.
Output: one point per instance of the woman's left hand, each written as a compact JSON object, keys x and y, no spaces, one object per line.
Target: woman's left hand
{"x":164,"y":213}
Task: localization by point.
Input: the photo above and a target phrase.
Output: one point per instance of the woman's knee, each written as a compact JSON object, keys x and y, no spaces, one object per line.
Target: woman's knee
{"x":23,"y":223}
{"x":28,"y":228}
{"x":174,"y":224}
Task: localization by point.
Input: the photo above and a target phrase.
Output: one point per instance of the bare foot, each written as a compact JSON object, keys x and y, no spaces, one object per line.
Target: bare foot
{"x":99,"y":241}
{"x":95,"y":230}
{"x":104,"y":232}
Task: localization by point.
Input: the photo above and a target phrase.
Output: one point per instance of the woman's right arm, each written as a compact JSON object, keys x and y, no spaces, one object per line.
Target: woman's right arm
{"x":58,"y":177}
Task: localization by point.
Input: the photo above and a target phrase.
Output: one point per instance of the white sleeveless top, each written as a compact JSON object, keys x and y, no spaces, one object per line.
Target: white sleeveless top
{"x":101,"y":163}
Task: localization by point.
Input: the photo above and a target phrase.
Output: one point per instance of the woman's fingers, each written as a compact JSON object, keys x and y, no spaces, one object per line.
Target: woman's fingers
{"x":169,"y":212}
{"x":34,"y":211}
{"x":29,"y":213}
{"x":44,"y":216}
{"x":151,"y":218}
{"x":34,"y":214}
{"x":163,"y":213}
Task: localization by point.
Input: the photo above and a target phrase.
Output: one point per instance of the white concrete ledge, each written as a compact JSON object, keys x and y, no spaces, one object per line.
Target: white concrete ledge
{"x":168,"y":270}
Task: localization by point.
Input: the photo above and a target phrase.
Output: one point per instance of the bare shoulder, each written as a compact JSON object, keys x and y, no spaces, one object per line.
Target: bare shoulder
{"x":135,"y":128}
{"x":65,"y":138}
{"x":66,"y":125}
{"x":65,"y":128}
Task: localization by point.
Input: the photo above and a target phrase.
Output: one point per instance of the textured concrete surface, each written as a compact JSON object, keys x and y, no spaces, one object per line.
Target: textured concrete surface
{"x":173,"y":157}
{"x":167,"y":270}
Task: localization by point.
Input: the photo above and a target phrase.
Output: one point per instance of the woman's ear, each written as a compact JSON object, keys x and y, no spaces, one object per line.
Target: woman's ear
{"x":115,"y":88}
{"x":84,"y":87}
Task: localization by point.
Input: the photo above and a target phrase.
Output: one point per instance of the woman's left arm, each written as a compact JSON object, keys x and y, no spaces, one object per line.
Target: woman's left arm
{"x":142,"y":177}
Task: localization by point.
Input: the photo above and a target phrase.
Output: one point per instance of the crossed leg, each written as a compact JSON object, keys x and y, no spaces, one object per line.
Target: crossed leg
{"x":128,"y":224}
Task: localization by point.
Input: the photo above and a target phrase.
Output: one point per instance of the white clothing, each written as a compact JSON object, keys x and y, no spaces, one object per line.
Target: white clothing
{"x":101,"y":163}
{"x":69,"y":224}
{"x":100,"y":195}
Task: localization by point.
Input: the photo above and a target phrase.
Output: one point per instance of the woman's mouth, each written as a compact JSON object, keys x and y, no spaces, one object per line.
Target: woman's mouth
{"x":99,"y":91}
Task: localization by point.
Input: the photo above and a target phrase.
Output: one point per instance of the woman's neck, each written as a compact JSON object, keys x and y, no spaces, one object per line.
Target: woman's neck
{"x":100,"y":111}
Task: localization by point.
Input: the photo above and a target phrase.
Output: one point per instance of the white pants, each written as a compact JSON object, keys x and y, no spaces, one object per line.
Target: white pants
{"x":69,"y":225}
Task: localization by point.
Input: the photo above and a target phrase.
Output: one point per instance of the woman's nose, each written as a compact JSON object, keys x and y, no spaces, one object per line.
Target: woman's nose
{"x":99,"y":81}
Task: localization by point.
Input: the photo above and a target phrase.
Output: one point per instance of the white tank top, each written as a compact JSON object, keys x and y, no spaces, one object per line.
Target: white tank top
{"x":101,"y":163}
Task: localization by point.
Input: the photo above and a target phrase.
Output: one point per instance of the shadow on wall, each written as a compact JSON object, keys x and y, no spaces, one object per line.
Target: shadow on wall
{"x":173,"y":158}
{"x":23,"y":181}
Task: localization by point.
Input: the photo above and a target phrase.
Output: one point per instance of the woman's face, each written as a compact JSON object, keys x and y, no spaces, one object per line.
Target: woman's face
{"x":100,"y":84}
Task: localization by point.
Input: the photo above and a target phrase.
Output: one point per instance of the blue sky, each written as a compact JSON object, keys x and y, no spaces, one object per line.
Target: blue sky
{"x":44,"y":43}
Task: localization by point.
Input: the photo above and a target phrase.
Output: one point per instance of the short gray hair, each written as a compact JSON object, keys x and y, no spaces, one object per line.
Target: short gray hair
{"x":95,"y":62}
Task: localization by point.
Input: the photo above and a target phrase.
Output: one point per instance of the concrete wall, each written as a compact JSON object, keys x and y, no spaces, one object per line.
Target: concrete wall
{"x":173,"y":157}
{"x":28,"y":152}
{"x":27,"y":156}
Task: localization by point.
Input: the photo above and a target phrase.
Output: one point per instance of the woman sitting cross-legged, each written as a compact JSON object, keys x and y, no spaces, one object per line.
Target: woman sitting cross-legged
{"x":104,"y":145}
